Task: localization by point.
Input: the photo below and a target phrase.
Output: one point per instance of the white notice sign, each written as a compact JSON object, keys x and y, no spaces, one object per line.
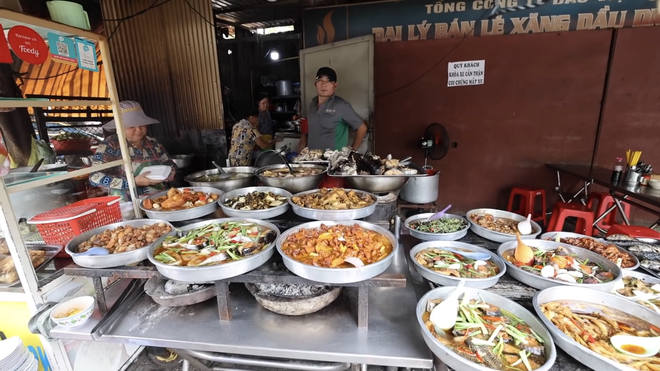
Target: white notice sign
{"x":466,"y":73}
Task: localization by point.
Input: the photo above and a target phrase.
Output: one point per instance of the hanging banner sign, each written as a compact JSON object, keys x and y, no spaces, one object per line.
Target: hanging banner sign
{"x":86,"y":55}
{"x":5,"y":53}
{"x":466,"y":73}
{"x":62,"y":49}
{"x":28,"y":45}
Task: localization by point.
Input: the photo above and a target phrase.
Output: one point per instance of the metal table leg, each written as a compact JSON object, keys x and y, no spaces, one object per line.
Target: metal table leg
{"x":617,"y":202}
{"x":189,"y":361}
{"x":222,"y":292}
{"x":363,"y":307}
{"x":100,"y":295}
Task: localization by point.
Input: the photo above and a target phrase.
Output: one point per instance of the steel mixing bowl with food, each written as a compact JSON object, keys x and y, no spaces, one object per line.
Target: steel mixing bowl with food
{"x":452,"y":263}
{"x":221,"y":177}
{"x":214,"y":244}
{"x":286,"y":173}
{"x":334,"y":199}
{"x":256,"y":200}
{"x":337,"y":246}
{"x":126,"y":238}
{"x":608,"y":250}
{"x":179,"y":199}
{"x":496,"y":224}
{"x":640,"y":288}
{"x":441,"y":225}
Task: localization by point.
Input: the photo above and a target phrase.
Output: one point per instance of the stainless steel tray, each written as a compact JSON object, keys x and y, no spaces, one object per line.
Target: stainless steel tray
{"x":225,"y":185}
{"x":583,"y":294}
{"x":187,"y":214}
{"x":110,"y":260}
{"x":51,"y":252}
{"x":455,"y":361}
{"x":155,"y":287}
{"x":427,"y":236}
{"x":337,"y":275}
{"x":550,"y":236}
{"x":541,"y":283}
{"x":214,"y":272}
{"x":293,"y":184}
{"x":376,"y":183}
{"x":644,"y":277}
{"x":255,"y":214}
{"x":334,"y":215}
{"x":497,"y":236}
{"x":445,"y":280}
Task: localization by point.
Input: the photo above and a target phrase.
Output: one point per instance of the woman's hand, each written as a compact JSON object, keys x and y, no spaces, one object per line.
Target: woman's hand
{"x":142,"y":180}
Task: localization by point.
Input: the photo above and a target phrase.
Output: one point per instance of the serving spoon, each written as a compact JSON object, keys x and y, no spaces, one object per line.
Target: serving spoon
{"x":439,"y":214}
{"x":443,"y":316}
{"x":468,"y":254}
{"x":636,"y":346}
{"x":525,"y":227}
{"x":95,"y":251}
{"x":221,"y":172}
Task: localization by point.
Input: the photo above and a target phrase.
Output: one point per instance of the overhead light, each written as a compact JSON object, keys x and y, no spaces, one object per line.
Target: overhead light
{"x":274,"y":55}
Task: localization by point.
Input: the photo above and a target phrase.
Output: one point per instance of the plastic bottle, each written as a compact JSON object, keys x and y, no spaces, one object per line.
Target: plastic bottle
{"x":618,"y":170}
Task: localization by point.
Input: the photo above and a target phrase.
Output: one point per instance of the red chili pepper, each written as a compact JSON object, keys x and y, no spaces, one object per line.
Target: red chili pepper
{"x":654,"y":328}
{"x":213,"y":253}
{"x":479,"y":357}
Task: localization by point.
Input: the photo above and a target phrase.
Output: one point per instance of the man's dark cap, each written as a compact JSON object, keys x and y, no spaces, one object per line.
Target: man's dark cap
{"x":327,"y":72}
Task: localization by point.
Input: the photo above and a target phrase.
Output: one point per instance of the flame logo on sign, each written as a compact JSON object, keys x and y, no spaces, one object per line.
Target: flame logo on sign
{"x":325,"y":34}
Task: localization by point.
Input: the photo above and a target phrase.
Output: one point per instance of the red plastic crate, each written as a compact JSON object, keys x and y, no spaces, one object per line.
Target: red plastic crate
{"x":59,"y":226}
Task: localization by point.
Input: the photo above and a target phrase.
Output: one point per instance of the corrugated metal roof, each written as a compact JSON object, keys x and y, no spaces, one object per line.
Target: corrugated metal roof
{"x":166,"y":59}
{"x":58,"y":79}
{"x":257,"y":13}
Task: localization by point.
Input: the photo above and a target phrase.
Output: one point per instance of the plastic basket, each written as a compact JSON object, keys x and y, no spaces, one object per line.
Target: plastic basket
{"x":59,"y":226}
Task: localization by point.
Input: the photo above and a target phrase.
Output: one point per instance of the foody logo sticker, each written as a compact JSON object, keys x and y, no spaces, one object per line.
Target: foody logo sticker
{"x":28,"y":45}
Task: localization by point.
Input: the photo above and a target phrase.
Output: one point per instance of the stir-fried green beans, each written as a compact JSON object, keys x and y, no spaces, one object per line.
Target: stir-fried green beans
{"x":442,"y":225}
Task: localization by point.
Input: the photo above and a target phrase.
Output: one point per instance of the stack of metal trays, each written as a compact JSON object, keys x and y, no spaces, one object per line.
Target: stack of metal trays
{"x":337,"y":275}
{"x":255,"y":214}
{"x":110,"y":260}
{"x":334,"y":215}
{"x":214,"y":272}
{"x":431,"y":236}
{"x":185,"y":214}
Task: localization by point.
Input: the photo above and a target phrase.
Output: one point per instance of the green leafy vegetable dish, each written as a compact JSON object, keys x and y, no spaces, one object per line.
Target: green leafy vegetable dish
{"x":442,"y":225}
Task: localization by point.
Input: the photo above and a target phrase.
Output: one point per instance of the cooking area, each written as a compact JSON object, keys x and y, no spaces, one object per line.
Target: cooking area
{"x":329,"y":185}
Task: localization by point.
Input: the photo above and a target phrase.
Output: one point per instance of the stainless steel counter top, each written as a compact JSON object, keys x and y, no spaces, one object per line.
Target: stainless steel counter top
{"x":392,"y":338}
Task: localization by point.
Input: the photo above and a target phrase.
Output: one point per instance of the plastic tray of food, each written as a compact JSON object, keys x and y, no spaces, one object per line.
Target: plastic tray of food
{"x":582,"y":265}
{"x":206,"y":251}
{"x":255,"y":202}
{"x":455,"y":228}
{"x":597,"y":245}
{"x":343,"y":204}
{"x":123,"y":252}
{"x":180,"y":212}
{"x":500,"y":221}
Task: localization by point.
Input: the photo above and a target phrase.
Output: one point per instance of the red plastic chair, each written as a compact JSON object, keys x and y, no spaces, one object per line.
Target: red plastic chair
{"x":633,"y":231}
{"x":528,"y":198}
{"x":563,"y":210}
{"x":602,"y":202}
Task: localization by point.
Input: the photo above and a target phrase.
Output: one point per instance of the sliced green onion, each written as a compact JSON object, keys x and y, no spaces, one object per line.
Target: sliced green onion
{"x":523,"y":356}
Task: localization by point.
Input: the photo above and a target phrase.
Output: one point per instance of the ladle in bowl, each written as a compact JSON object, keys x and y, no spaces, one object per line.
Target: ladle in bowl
{"x":468,"y":254}
{"x":95,"y":251}
{"x":443,"y":316}
{"x":439,"y":214}
{"x":525,"y":227}
{"x":523,"y":253}
{"x":222,"y":174}
{"x":636,"y":346}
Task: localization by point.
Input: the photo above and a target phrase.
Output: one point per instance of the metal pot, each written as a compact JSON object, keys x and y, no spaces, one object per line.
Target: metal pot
{"x":224,"y":184}
{"x":421,"y":190}
{"x":183,"y":161}
{"x":283,"y":87}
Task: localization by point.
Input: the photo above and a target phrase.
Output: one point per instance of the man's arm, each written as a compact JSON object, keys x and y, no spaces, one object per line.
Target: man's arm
{"x":303,"y":142}
{"x":359,"y":135}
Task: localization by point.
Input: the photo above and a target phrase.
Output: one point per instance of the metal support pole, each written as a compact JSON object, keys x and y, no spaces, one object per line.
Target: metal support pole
{"x":622,"y":211}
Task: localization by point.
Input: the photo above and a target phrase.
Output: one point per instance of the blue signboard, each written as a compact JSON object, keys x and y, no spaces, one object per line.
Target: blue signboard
{"x":423,"y":20}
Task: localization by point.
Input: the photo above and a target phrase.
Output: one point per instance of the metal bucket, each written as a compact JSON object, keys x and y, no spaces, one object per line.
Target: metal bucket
{"x":421,"y":189}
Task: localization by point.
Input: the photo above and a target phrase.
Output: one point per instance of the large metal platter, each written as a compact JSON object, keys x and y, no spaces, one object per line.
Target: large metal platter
{"x":455,"y":361}
{"x":334,"y":215}
{"x":214,"y":272}
{"x":337,"y":275}
{"x":445,"y":280}
{"x":427,"y":236}
{"x":186,"y":214}
{"x":497,"y":236}
{"x":541,"y":283}
{"x":585,"y":295}
{"x":293,"y":184}
{"x":376,"y":183}
{"x":110,"y":260}
{"x":644,"y":277}
{"x":51,"y":252}
{"x":550,"y":236}
{"x":225,"y":184}
{"x":255,"y":214}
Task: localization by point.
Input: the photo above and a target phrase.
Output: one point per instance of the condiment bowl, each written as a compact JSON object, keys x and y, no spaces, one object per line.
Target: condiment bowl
{"x":85,"y":305}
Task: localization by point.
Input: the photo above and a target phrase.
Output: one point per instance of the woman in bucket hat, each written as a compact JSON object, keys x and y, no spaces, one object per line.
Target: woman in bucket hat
{"x":143,"y":150}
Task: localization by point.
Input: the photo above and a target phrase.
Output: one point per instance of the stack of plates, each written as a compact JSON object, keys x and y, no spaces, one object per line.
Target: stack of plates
{"x":15,"y":357}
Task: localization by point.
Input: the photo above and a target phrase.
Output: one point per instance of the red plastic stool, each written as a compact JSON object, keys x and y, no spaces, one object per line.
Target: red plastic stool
{"x":563,"y":210}
{"x":604,"y":201}
{"x":527,"y":202}
{"x":633,"y":231}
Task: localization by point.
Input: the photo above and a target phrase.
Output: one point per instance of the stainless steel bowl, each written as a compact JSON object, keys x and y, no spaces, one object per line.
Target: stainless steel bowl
{"x":224,"y":184}
{"x":585,"y":295}
{"x":541,"y":283}
{"x":445,"y":280}
{"x":455,"y":361}
{"x":497,"y":236}
{"x":293,"y":184}
{"x":214,"y":272}
{"x":110,"y":260}
{"x":428,"y":236}
{"x":550,"y":236}
{"x":376,"y":183}
{"x":337,"y":275}
{"x":334,"y":215}
{"x":186,"y":214}
{"x":183,"y":161}
{"x":642,"y":276}
{"x":255,"y":214}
